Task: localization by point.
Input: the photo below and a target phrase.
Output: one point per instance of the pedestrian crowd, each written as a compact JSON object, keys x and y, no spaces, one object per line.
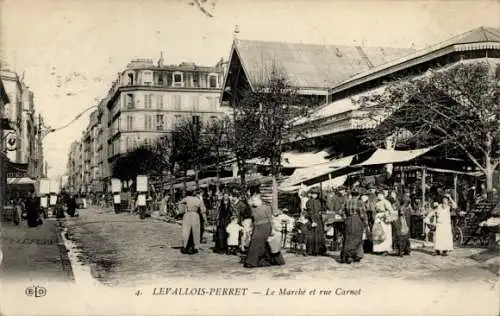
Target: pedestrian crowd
{"x":370,"y":219}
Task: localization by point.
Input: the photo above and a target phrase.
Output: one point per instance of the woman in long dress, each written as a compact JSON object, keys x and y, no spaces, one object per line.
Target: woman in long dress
{"x":383,"y":211}
{"x":315,"y":238}
{"x":443,"y":241}
{"x":259,"y":252}
{"x":191,"y":224}
{"x":223,"y":219}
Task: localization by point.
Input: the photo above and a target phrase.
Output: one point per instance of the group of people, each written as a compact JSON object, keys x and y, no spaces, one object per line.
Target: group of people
{"x":374,"y":220}
{"x":244,"y":225}
{"x":34,"y":210}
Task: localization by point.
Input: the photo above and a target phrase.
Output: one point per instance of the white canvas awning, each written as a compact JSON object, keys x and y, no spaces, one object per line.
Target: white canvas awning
{"x":20,"y":181}
{"x":388,"y":156}
{"x":293,"y":159}
{"x":305,"y":174}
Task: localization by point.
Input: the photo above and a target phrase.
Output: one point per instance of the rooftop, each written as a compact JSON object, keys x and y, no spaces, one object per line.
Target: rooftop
{"x":311,"y":65}
{"x":480,"y":38}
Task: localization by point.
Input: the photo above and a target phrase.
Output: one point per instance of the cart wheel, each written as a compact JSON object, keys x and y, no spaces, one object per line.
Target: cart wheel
{"x":458,"y":236}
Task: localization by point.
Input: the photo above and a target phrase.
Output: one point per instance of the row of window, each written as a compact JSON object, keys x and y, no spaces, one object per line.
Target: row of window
{"x":177,"y":101}
{"x":177,"y":79}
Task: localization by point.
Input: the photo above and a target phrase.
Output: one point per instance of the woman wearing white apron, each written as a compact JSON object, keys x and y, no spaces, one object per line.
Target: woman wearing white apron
{"x":383,"y":210}
{"x":443,"y":240}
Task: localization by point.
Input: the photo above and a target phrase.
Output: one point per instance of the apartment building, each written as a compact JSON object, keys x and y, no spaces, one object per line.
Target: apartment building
{"x":144,"y":103}
{"x":27,"y":152}
{"x":148,"y":100}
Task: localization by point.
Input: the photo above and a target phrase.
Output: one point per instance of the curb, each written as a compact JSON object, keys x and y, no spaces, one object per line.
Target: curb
{"x":63,"y":251}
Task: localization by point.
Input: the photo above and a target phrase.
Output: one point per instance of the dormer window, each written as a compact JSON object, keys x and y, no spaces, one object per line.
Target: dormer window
{"x":213,"y":81}
{"x":130,"y":79}
{"x":177,"y":79}
{"x":147,"y":77}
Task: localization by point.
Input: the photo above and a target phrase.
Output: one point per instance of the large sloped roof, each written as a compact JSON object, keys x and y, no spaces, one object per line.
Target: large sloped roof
{"x":311,"y":65}
{"x":485,"y":37}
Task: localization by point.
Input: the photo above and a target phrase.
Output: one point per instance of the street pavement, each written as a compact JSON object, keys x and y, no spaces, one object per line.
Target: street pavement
{"x":123,"y":260}
{"x":122,"y":249}
{"x":33,"y":253}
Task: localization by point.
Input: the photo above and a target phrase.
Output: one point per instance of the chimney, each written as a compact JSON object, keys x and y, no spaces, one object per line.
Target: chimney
{"x":161,"y":61}
{"x":236,"y":31}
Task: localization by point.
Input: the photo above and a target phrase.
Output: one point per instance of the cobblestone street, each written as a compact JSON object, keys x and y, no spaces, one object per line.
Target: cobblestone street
{"x":122,"y":249}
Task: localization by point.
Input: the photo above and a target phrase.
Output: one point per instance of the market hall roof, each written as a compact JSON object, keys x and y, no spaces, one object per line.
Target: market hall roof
{"x":312,"y":66}
{"x":475,"y":39}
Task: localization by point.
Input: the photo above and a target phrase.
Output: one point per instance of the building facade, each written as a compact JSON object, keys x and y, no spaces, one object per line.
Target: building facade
{"x":144,"y":103}
{"x":75,"y":166}
{"x":149,"y":100}
{"x":25,"y":151}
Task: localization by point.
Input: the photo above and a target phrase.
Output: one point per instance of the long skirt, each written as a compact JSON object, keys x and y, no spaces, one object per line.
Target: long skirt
{"x":259,"y":252}
{"x":220,"y":236}
{"x":353,"y":239}
{"x":191,"y":226}
{"x":385,"y":245}
{"x":443,"y":237}
{"x":315,"y":240}
{"x":32,"y":217}
{"x":247,"y":232}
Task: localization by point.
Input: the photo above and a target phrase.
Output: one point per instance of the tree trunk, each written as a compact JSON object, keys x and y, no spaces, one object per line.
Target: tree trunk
{"x":489,"y":178}
{"x":242,"y":171}
{"x":197,"y":178}
{"x":275,"y":193}
{"x":217,"y":180}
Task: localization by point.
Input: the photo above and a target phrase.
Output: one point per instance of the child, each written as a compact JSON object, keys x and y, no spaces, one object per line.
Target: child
{"x":403,"y":246}
{"x":299,"y":234}
{"x":234,"y":231}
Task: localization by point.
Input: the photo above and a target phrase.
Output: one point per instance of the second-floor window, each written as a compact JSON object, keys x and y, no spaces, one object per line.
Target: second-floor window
{"x":148,"y":122}
{"x":177,"y":79}
{"x":130,"y":123}
{"x":195,"y":103}
{"x":159,"y":122}
{"x":176,"y":102}
{"x":159,"y":101}
{"x":148,"y":100}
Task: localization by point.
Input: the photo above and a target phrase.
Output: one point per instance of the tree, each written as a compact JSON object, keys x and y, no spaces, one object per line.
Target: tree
{"x":216,"y":136}
{"x":166,"y":149}
{"x":191,"y":149}
{"x":271,"y":107}
{"x":456,"y":106}
{"x":142,"y":160}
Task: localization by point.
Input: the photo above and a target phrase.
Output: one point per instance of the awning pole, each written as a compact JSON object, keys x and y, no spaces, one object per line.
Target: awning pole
{"x":455,"y":186}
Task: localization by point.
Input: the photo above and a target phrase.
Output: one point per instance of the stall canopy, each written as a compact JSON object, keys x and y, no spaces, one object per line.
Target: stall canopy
{"x":388,"y":156}
{"x":24,"y":180}
{"x":295,"y":159}
{"x":314,"y":174}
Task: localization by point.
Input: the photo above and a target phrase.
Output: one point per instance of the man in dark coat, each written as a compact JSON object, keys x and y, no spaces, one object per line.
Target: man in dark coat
{"x":71,"y":205}
{"x":33,"y":210}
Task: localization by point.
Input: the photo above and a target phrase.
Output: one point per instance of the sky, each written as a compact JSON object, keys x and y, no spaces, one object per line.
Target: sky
{"x":71,"y":50}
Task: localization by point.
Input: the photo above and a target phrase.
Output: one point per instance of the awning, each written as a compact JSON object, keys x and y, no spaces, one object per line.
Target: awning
{"x":388,"y":156}
{"x":24,"y":180}
{"x":339,"y":106}
{"x":295,"y":159}
{"x":317,"y":171}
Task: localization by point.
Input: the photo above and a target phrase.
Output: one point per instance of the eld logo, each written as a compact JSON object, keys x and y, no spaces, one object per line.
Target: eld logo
{"x":36,"y":291}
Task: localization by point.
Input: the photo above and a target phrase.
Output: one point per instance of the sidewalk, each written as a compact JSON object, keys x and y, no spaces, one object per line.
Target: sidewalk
{"x":34,"y":253}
